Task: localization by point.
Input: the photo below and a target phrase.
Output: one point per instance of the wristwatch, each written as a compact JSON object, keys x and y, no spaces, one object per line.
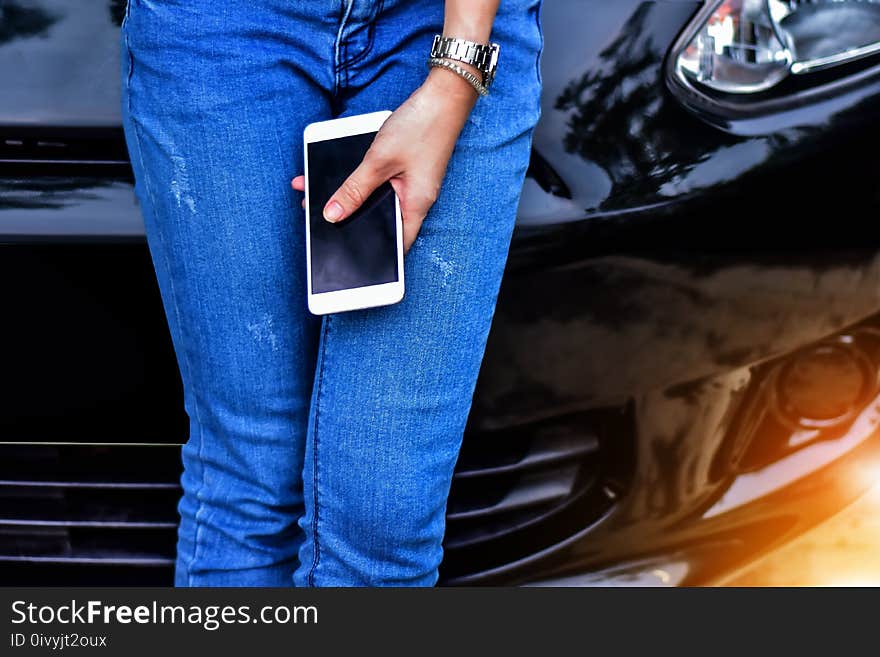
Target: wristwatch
{"x":481,"y":56}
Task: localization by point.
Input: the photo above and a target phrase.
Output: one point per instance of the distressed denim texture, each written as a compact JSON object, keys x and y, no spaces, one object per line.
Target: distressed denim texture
{"x":320,"y":451}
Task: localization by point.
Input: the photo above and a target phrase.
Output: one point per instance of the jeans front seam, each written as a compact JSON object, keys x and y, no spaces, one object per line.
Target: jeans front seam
{"x":316,"y":544}
{"x":339,"y":45}
{"x":371,"y":37}
{"x":172,"y":290}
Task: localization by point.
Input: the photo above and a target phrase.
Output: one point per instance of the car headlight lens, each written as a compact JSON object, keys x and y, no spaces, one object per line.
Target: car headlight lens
{"x":828,"y":32}
{"x":738,"y":49}
{"x":748,"y":46}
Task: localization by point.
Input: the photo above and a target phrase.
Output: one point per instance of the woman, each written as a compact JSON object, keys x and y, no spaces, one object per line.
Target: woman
{"x":322,"y":452}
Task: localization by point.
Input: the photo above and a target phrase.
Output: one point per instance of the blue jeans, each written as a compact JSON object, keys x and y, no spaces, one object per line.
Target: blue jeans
{"x":320,"y":452}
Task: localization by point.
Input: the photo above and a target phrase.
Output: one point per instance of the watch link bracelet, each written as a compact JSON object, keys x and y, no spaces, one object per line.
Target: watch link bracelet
{"x":483,"y":57}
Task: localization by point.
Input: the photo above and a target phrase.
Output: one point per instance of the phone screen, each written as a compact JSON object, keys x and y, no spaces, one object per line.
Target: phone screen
{"x":362,"y":249}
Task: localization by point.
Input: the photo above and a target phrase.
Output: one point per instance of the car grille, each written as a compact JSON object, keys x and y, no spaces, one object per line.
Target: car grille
{"x":106,"y":514}
{"x":87,"y":514}
{"x":518,"y":493}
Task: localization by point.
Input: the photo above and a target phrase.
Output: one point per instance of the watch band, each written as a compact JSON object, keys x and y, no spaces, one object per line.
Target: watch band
{"x":481,"y":56}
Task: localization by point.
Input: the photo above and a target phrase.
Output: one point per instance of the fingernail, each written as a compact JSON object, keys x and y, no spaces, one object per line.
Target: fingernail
{"x":332,"y":212}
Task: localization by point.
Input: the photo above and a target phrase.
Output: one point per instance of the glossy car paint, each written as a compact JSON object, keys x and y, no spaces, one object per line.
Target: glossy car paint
{"x":668,"y":258}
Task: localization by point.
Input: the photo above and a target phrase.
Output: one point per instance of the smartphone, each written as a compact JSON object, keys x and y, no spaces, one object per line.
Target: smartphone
{"x":358,"y":262}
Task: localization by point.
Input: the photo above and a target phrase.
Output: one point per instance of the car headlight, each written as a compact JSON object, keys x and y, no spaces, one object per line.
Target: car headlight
{"x":748,"y":46}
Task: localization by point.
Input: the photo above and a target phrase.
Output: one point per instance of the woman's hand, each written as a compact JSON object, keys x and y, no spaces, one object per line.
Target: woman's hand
{"x":411,"y":150}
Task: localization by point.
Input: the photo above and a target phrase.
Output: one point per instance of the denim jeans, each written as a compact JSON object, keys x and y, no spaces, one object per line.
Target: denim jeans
{"x":320,"y":451}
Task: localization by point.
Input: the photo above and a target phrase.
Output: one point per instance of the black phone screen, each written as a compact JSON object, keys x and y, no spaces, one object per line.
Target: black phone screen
{"x":362,"y":249}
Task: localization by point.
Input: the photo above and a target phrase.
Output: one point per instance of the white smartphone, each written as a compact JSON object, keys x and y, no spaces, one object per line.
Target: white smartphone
{"x":358,"y":262}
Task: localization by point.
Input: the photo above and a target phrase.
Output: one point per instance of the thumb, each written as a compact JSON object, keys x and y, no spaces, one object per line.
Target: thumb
{"x":355,"y":190}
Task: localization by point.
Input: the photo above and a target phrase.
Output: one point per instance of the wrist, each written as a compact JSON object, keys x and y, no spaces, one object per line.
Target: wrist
{"x":452,"y":87}
{"x":466,"y":25}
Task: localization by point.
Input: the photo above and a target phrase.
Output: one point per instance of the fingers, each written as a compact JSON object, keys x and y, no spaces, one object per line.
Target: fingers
{"x":356,"y":189}
{"x":299,"y":184}
{"x":410,"y":233}
{"x":415,"y":202}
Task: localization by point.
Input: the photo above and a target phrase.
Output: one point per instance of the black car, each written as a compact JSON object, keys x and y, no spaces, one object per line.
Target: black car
{"x":684,"y":368}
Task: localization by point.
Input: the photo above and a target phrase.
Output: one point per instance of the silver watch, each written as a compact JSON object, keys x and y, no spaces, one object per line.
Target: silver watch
{"x":481,"y":56}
